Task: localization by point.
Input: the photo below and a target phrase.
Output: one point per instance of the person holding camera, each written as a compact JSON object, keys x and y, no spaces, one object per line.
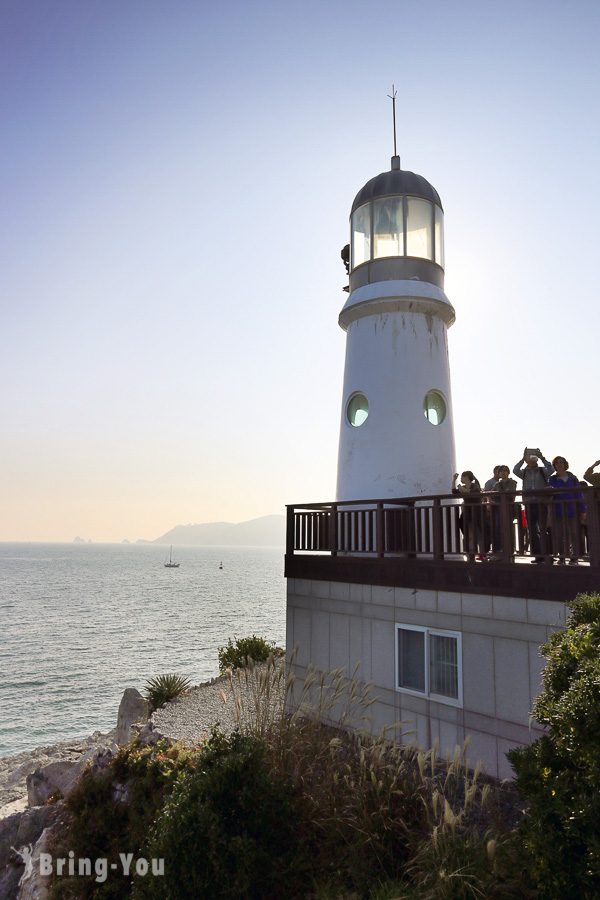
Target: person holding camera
{"x":592,"y":477}
{"x":535,"y":478}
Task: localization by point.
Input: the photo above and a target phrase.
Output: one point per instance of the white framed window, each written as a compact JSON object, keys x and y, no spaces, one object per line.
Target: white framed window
{"x":429,"y":663}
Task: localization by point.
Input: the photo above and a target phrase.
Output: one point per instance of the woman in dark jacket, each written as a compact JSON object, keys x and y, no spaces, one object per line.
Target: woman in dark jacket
{"x":470,"y":519}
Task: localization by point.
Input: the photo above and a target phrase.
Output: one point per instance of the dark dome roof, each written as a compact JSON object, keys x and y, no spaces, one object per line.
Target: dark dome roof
{"x":396,"y":181}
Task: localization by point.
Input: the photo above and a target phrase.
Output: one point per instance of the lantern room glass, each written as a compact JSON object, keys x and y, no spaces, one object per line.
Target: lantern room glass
{"x":397,"y":226}
{"x":361,"y":235}
{"x":419,"y":236}
{"x":388,"y":228}
{"x":439,"y":236}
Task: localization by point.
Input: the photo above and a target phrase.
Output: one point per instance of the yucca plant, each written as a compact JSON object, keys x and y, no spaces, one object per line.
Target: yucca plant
{"x":162,"y":688}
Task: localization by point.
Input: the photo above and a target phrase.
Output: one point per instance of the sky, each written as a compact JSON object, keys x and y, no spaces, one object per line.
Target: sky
{"x":176,"y":180}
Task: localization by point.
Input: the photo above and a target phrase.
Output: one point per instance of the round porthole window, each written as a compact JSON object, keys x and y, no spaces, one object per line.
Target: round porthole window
{"x":434,"y":407}
{"x":357,"y":409}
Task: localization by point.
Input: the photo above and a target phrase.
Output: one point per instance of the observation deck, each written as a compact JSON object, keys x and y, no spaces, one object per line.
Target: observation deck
{"x":440,"y":543}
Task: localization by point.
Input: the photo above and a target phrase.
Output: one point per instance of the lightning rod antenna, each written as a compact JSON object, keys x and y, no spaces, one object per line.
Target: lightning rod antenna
{"x":392,"y":97}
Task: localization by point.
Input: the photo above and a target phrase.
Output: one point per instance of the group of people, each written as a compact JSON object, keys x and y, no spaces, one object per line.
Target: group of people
{"x":557,"y":528}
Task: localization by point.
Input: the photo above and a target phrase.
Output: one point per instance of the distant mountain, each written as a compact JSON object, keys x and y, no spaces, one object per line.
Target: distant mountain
{"x":267,"y":531}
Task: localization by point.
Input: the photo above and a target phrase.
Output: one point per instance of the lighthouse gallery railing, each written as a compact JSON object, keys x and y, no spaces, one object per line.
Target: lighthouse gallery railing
{"x":443,"y":527}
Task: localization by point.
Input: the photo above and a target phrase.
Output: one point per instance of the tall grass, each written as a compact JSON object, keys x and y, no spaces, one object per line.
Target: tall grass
{"x":374,"y":810}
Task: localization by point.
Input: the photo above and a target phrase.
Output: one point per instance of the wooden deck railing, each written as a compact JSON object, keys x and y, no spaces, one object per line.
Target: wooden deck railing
{"x":505,"y":526}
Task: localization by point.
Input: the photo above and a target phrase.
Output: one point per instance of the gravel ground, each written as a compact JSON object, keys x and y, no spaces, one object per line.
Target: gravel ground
{"x":225,"y":701}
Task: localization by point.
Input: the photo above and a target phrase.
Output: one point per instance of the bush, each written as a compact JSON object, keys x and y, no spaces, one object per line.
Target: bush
{"x":288,"y":806}
{"x":236,"y":655}
{"x":228,"y":830}
{"x":111,"y":811}
{"x":162,"y":688}
{"x":559,"y":774}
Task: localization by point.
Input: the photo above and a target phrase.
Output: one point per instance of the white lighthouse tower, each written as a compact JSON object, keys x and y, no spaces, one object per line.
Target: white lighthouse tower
{"x":396,"y":434}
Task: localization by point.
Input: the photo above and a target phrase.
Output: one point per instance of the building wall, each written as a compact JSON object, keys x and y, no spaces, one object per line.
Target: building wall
{"x":336,"y":624}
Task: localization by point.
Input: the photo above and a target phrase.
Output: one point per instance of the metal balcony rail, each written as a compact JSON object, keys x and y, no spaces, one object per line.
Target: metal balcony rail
{"x":554,"y":524}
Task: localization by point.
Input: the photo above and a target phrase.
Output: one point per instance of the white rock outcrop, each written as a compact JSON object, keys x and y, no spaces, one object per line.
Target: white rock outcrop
{"x":132,"y":709}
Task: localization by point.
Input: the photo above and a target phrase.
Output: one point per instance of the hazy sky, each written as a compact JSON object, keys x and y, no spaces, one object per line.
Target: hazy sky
{"x":176,"y":183}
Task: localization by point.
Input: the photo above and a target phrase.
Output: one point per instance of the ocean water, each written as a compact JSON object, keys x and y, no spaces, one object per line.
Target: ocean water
{"x":81,"y":622}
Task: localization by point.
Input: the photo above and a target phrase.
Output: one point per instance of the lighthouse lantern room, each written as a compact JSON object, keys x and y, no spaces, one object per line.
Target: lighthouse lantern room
{"x":396,"y":433}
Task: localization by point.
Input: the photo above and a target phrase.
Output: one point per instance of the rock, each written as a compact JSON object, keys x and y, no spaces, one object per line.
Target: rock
{"x":56,"y":776}
{"x":147,"y":734}
{"x":33,"y":885}
{"x":133,"y":708}
{"x":33,"y":821}
{"x":120,"y":793}
{"x":9,"y":829}
{"x":14,"y":769}
{"x":16,"y":806}
{"x":18,"y":836}
{"x":103,"y":758}
{"x":9,"y":881}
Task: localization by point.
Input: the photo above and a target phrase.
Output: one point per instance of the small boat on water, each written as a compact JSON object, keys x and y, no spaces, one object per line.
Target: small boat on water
{"x":221,"y":564}
{"x":171,"y":564}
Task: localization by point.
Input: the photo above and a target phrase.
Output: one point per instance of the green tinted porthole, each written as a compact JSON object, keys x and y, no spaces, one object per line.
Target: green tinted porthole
{"x":357,"y":409}
{"x":434,"y":407}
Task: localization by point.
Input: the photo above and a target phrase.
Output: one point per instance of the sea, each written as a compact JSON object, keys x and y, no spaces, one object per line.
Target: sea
{"x":81,"y":622}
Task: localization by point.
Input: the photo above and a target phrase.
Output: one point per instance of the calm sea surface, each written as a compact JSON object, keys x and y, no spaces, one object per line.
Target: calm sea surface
{"x":81,"y":622}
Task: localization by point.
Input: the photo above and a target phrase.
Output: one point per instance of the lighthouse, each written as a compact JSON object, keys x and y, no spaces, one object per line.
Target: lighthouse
{"x":379,"y":585}
{"x":396,"y":430}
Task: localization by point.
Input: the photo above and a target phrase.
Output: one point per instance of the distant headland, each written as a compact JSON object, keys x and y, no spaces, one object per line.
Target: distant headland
{"x":266,"y":531}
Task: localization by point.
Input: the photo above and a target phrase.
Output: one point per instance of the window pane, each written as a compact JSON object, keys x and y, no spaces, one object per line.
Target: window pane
{"x":358,"y":409}
{"x":388,"y":230}
{"x":361,"y":235}
{"x":418,"y":228}
{"x":443,"y":666}
{"x":411,"y":659}
{"x":434,"y":407}
{"x":439,"y":236}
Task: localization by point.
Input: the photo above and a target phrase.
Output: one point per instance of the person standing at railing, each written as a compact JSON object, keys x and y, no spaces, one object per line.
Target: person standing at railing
{"x":490,"y":484}
{"x":535,"y":478}
{"x":470,"y":490}
{"x":566,"y":512}
{"x":504,"y":484}
{"x":593,"y":477}
{"x":583,"y":530}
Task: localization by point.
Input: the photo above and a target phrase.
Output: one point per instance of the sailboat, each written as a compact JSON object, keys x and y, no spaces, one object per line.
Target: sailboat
{"x":171,"y":564}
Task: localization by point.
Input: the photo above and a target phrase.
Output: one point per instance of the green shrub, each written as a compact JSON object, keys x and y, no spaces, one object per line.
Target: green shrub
{"x":290,"y":806}
{"x":162,"y":688}
{"x":236,"y":654}
{"x":559,"y":774}
{"x":101,"y":823}
{"x":228,"y":830}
